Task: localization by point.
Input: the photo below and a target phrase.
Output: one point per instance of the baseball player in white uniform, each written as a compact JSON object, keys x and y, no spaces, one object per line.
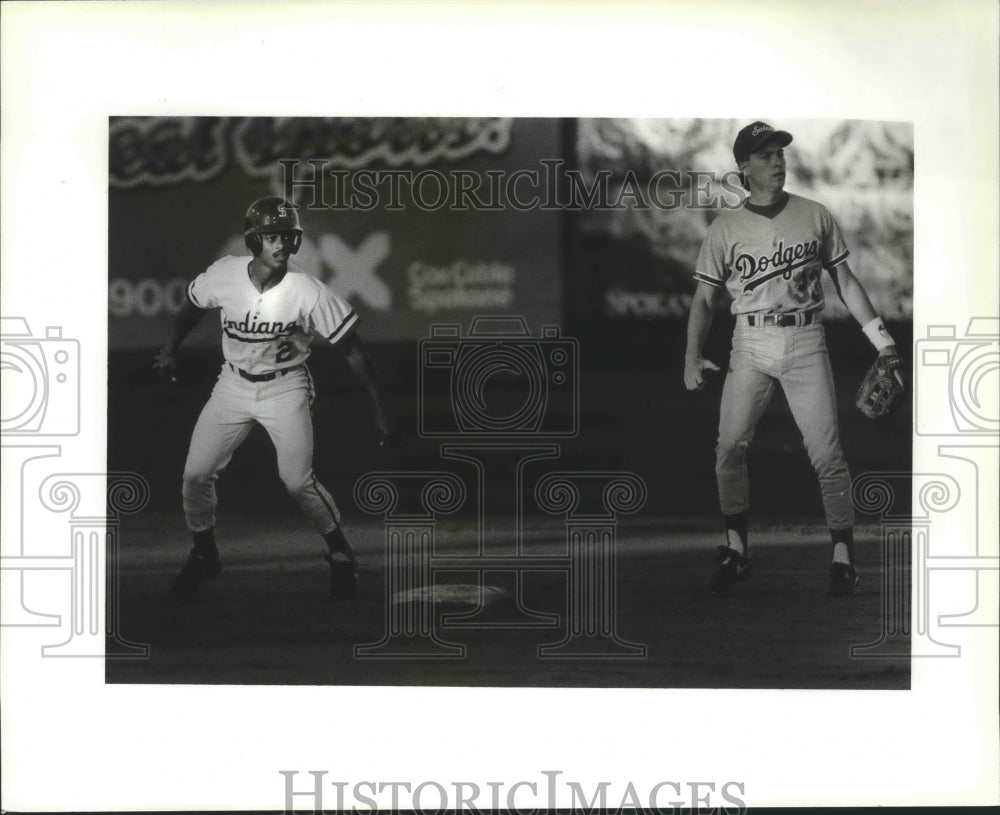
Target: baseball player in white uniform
{"x":768,"y":256}
{"x":269,"y":317}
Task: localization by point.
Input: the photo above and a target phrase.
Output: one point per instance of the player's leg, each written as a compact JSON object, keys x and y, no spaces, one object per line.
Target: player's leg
{"x":745,"y":396}
{"x":287,"y":417}
{"x":809,"y":388}
{"x":221,"y":427}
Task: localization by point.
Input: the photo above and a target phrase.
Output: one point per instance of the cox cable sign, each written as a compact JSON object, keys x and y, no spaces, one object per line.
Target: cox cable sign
{"x":411,"y":220}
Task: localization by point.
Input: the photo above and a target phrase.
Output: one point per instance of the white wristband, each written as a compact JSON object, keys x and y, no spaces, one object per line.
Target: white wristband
{"x":877,"y":334}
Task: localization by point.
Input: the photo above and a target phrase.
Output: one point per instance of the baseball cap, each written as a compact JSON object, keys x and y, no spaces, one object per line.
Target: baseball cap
{"x":751,"y":137}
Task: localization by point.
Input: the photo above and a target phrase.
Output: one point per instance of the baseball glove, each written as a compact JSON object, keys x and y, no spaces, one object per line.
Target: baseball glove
{"x":881,"y":391}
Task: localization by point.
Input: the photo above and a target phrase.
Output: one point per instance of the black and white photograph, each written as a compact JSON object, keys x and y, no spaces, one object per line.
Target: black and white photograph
{"x":489,"y":407}
{"x":476,"y":436}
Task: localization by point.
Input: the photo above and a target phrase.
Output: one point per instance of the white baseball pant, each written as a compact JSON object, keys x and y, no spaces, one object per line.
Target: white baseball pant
{"x":796,"y":358}
{"x":282,"y":407}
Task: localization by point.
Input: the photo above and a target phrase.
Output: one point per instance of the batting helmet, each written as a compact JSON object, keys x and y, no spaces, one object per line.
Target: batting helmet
{"x":271,"y":214}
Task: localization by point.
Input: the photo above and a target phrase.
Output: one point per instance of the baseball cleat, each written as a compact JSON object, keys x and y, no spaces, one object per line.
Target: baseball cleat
{"x":343,"y":575}
{"x":844,"y":579}
{"x":197,"y":569}
{"x":732,"y":567}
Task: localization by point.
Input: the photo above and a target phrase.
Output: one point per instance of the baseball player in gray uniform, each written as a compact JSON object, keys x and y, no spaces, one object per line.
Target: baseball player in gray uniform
{"x":269,"y":316}
{"x":768,"y":256}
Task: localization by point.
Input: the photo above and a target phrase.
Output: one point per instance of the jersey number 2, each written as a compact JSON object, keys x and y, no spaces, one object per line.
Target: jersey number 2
{"x":285,"y":350}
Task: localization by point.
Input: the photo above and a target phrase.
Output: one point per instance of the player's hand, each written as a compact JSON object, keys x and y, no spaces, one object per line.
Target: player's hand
{"x":890,"y":350}
{"x":165,"y":364}
{"x":694,"y":372}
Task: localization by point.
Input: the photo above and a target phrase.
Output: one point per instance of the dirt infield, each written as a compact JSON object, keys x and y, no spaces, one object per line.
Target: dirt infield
{"x":267,"y":619}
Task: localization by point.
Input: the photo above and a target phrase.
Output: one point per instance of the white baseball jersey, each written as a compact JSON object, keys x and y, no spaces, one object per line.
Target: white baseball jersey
{"x":772,"y":265}
{"x":264,"y":332}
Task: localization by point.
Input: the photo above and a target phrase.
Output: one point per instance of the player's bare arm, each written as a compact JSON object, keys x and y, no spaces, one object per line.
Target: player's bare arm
{"x":166,"y":358}
{"x":852,"y":293}
{"x":699,"y":324}
{"x":361,"y":365}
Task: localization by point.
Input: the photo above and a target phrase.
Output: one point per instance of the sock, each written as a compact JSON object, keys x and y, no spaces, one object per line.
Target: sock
{"x":337,"y":543}
{"x":204,"y":541}
{"x":736,"y":532}
{"x":843,"y":545}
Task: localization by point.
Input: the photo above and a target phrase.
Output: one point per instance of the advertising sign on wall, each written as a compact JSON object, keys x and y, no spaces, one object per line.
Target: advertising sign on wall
{"x":413,"y":221}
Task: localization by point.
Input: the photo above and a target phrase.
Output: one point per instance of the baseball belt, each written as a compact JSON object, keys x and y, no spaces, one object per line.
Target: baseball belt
{"x":798,"y":319}
{"x":262,"y":377}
